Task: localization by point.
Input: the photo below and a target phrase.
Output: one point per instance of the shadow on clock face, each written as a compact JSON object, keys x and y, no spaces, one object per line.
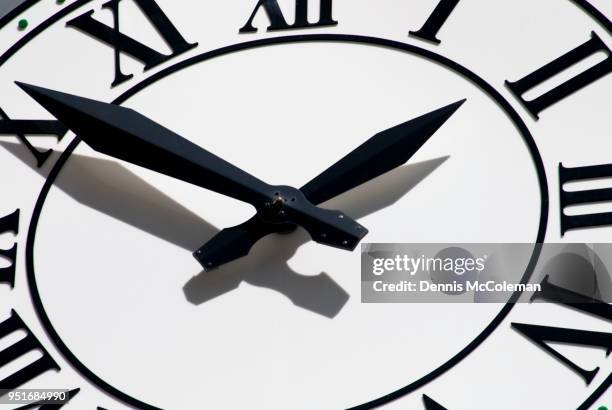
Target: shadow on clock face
{"x":266,"y":265}
{"x":110,"y":188}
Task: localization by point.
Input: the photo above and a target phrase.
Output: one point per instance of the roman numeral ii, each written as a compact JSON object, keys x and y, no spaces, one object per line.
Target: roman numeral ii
{"x":580,"y":53}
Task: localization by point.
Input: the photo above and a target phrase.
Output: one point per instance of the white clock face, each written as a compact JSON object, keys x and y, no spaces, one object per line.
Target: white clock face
{"x":115,"y":297}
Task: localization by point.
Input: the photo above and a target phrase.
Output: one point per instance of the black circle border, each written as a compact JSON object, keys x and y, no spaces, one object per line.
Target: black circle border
{"x":341,"y":38}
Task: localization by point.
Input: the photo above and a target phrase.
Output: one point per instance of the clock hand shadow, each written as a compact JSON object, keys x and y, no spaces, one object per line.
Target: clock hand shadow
{"x":266,"y":265}
{"x":109,"y":187}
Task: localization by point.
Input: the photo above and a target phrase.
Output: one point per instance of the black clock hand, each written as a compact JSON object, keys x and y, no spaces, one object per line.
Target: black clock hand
{"x":383,"y":152}
{"x":380,"y":154}
{"x":125,"y":134}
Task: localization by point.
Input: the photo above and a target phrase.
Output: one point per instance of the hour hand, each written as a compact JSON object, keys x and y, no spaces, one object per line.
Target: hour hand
{"x":235,"y":242}
{"x":381,"y":153}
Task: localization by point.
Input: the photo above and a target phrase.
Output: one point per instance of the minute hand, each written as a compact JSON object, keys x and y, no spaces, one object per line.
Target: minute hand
{"x":378,"y":155}
{"x":125,"y":134}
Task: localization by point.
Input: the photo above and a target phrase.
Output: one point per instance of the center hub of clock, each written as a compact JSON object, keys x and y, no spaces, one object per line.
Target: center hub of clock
{"x":278,"y":208}
{"x":278,"y":204}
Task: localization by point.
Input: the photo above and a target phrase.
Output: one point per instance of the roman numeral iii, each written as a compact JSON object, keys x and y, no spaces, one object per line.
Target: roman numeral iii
{"x":568,"y":198}
{"x":278,"y":21}
{"x":557,"y":66}
{"x":121,"y":43}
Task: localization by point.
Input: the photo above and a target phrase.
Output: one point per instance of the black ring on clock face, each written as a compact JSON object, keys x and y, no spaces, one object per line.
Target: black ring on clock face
{"x":340,"y":38}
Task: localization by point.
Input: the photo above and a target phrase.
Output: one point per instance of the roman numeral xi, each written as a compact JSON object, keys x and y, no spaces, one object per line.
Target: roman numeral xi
{"x":122,"y":43}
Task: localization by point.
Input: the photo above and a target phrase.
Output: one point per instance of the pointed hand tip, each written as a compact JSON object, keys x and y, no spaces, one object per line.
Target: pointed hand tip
{"x":23,"y":86}
{"x":451,"y":108}
{"x":26,"y":86}
{"x":30,"y":89}
{"x":459,"y":103}
{"x":44,"y":96}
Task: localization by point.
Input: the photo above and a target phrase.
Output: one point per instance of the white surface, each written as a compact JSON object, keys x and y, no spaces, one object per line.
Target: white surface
{"x":108,"y":285}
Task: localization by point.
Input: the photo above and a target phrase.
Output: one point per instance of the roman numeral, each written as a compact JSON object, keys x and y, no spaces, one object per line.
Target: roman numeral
{"x":124,"y":44}
{"x":434,"y":23}
{"x":278,"y":21}
{"x":535,"y":106}
{"x":21,"y":128}
{"x":540,"y":335}
{"x":568,"y":198}
{"x":48,"y":406}
{"x":18,"y":349}
{"x":9,"y":223}
{"x":431,"y":404}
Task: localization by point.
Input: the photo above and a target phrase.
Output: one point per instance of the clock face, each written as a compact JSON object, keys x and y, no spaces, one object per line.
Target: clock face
{"x":185,"y":187}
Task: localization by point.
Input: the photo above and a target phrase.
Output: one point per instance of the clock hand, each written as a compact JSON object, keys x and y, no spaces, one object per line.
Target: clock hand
{"x":381,"y":153}
{"x":125,"y":134}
